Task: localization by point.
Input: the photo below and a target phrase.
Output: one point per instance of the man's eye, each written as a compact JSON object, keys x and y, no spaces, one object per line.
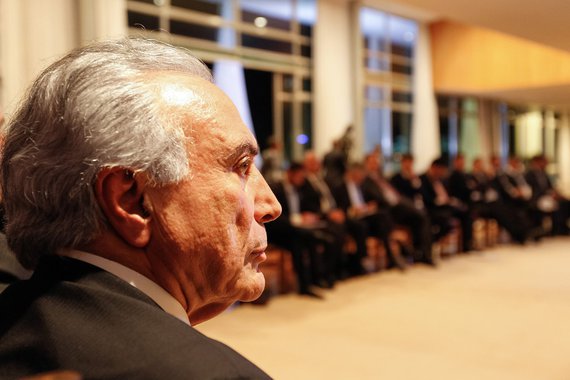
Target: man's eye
{"x":244,"y":166}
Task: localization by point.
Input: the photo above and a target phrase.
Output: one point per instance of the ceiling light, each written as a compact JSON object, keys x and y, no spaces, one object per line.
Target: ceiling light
{"x":260,"y":22}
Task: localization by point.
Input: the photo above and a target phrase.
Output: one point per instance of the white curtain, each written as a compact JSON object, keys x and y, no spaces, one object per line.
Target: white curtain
{"x":425,"y":127}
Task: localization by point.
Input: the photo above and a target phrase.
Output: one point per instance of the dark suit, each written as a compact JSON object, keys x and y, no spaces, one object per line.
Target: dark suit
{"x":407,"y":188}
{"x":300,"y":242}
{"x":74,"y":316}
{"x":378,"y":224}
{"x":404,"y":213}
{"x":507,"y":188}
{"x":541,"y":186}
{"x":312,"y":201}
{"x":491,"y":206}
{"x":441,"y":213}
{"x":461,"y":186}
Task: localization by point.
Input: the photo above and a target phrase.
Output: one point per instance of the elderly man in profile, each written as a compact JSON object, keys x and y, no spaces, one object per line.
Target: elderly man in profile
{"x":129,"y":187}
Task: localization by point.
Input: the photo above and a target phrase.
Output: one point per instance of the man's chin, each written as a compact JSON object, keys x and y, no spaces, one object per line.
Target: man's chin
{"x":255,"y":288}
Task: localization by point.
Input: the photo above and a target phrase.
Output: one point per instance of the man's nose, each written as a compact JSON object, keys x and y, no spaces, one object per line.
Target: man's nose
{"x":267,"y":208}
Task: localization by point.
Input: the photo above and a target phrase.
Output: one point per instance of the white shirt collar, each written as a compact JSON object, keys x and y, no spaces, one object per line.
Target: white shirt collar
{"x":162,"y":298}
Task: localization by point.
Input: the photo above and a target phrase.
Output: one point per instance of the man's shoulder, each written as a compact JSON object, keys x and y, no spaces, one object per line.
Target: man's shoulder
{"x":102,"y":327}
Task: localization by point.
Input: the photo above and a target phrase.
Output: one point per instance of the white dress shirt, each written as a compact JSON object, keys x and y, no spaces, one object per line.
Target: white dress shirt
{"x":162,"y":298}
{"x":355,"y":194}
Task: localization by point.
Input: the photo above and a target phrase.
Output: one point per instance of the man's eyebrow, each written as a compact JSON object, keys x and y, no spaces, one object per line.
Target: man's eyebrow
{"x":246,"y":147}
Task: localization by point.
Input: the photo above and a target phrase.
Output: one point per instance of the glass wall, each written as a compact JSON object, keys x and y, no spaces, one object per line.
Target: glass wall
{"x":387,"y":46}
{"x":271,"y":39}
{"x":521,"y":131}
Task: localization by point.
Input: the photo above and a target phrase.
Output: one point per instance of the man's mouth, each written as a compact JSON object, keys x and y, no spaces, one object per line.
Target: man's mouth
{"x":257,"y":257}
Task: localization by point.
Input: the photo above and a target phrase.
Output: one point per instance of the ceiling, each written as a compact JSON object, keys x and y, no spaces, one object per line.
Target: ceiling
{"x":544,"y":21}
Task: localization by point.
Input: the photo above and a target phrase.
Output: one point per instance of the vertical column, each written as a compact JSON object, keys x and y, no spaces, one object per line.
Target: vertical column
{"x":528,"y":134}
{"x":13,"y":54}
{"x":333,"y":75}
{"x":487,"y":127}
{"x":470,"y":136}
{"x":563,"y":153}
{"x":34,"y":34}
{"x":101,"y":19}
{"x":425,"y":125}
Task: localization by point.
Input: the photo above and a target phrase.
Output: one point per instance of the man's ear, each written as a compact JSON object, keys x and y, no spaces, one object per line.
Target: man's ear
{"x":120,"y":195}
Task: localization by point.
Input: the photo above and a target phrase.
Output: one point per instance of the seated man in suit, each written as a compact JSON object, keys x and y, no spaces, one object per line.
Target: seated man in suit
{"x":407,"y":182}
{"x":487,"y":203}
{"x":402,"y":210}
{"x":516,"y":194}
{"x":129,"y":186}
{"x":441,"y":206}
{"x":366,"y":213}
{"x":300,"y":232}
{"x":317,"y":198}
{"x":546,"y":200}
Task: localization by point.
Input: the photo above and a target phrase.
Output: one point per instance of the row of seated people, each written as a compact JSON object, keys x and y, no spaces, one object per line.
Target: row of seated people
{"x":519,"y":200}
{"x":318,"y":214}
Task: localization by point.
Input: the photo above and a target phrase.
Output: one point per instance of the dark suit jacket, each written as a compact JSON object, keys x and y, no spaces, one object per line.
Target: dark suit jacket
{"x":538,"y":182}
{"x":341,"y":197}
{"x":310,"y":198}
{"x":72,"y":315}
{"x":405,"y":187}
{"x":428,"y":192}
{"x":279,"y":191}
{"x":460,"y":185}
{"x":373,"y":193}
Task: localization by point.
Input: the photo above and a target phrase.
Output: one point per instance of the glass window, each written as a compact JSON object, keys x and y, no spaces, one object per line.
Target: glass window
{"x":233,"y":28}
{"x":212,"y":7}
{"x":146,"y":1}
{"x":193,"y":30}
{"x":270,"y":14}
{"x":444,"y":135}
{"x":388,"y":42}
{"x":307,"y":84}
{"x":140,"y":20}
{"x":306,"y":138}
{"x":288,"y":131}
{"x":261,"y":20}
{"x":401,"y":69}
{"x":288,"y":83}
{"x":401,"y":132}
{"x":377,"y":129}
{"x":256,"y":42}
{"x":402,"y":97}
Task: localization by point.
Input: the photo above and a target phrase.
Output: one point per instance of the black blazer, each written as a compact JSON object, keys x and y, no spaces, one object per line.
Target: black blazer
{"x":74,"y":316}
{"x":428,"y":192}
{"x":461,"y":185}
{"x":538,"y":182}
{"x":341,"y":197}
{"x":405,"y":186}
{"x":373,"y":193}
{"x":310,"y":198}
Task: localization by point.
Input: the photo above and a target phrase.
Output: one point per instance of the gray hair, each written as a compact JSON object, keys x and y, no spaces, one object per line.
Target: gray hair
{"x":90,"y":110}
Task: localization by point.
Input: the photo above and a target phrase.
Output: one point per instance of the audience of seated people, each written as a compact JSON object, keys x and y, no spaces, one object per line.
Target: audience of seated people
{"x":359,"y":201}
